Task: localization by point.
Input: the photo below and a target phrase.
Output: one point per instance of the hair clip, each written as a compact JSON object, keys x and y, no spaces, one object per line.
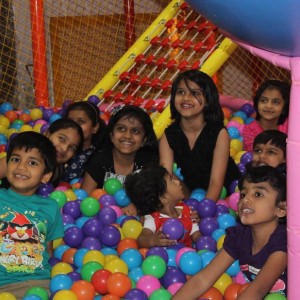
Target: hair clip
{"x":116,"y":109}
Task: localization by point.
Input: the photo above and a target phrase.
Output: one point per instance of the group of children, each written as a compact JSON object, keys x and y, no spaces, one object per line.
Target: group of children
{"x":81,"y":145}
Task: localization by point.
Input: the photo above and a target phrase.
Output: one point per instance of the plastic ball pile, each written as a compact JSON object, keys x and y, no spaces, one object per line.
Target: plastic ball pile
{"x":99,"y":258}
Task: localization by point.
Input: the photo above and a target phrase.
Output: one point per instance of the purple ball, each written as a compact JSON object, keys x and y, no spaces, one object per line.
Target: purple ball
{"x":110,"y":236}
{"x":72,"y":208}
{"x":246,"y":158}
{"x":45,"y":189}
{"x":233,"y":186}
{"x":173,"y":228}
{"x":107,"y":200}
{"x":206,"y":243}
{"x":242,"y":168}
{"x":207,"y":208}
{"x":92,"y":228}
{"x":221,"y":209}
{"x":107,"y":215}
{"x":248,"y":109}
{"x":75,"y":276}
{"x":91,"y":243}
{"x":136,"y":294}
{"x":208,"y":225}
{"x":47,"y":113}
{"x":67,"y":219}
{"x":73,"y":236}
{"x":172,"y":275}
{"x":44,"y":128}
{"x":53,"y":261}
{"x":192,"y":203}
{"x":94,"y":99}
{"x":159,"y":251}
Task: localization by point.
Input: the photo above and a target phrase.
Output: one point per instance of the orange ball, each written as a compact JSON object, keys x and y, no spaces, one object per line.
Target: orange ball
{"x":118,"y":284}
{"x":11,"y":115}
{"x":127,"y":243}
{"x":231,"y":291}
{"x":25,"y":118}
{"x":227,"y":112}
{"x":212,"y":294}
{"x":110,"y":297}
{"x":143,"y":251}
{"x":68,"y":255}
{"x":84,"y":290}
{"x":97,"y":193}
{"x":243,"y":287}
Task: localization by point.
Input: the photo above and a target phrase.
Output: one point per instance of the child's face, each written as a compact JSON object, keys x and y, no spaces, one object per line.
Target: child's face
{"x":257,"y":204}
{"x":83,"y":120}
{"x":267,"y":154}
{"x":25,"y":171}
{"x":189,"y":103}
{"x":65,"y":142}
{"x":270,"y":105}
{"x":128,"y":135}
{"x":174,"y":190}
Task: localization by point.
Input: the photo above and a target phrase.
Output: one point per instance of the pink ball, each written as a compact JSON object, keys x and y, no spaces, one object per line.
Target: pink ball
{"x":180,"y":252}
{"x":239,"y":278}
{"x":235,"y":124}
{"x":174,"y":287}
{"x":223,"y":202}
{"x":61,"y":188}
{"x":117,"y":209}
{"x":148,"y":284}
{"x":233,"y":200}
{"x":40,"y":121}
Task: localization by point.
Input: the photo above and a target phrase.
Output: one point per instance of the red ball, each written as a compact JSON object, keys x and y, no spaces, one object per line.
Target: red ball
{"x":118,"y":284}
{"x":11,"y":115}
{"x":99,"y":280}
{"x":25,"y":118}
{"x":68,"y":255}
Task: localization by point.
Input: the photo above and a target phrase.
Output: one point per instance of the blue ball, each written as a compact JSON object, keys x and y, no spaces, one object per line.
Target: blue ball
{"x":60,"y":250}
{"x":217,"y":234}
{"x":190,"y":263}
{"x":60,"y":282}
{"x":81,"y":194}
{"x":240,"y":114}
{"x":132,"y":257}
{"x":32,"y":297}
{"x":171,"y":257}
{"x":121,"y":198}
{"x":78,"y":257}
{"x":136,"y":273}
{"x":4,"y":107}
{"x":233,"y":132}
{"x":207,"y":257}
{"x":226,"y":220}
{"x":249,"y":120}
{"x":54,"y":117}
{"x":233,"y":269}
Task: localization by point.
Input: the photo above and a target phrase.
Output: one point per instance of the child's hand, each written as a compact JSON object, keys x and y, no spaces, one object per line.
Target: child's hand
{"x":130,"y":210}
{"x":194,"y":216}
{"x":161,"y":239}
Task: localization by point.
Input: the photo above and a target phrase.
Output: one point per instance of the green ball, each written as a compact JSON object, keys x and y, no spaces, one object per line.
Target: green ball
{"x":88,"y":270}
{"x":160,"y":294}
{"x":89,"y":206}
{"x":60,"y":197}
{"x":111,"y":185}
{"x":154,"y":265}
{"x":39,"y":291}
{"x":223,"y":193}
{"x":275,"y":296}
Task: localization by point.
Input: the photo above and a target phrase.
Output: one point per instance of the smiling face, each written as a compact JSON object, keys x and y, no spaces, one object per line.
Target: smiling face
{"x":270,"y":104}
{"x":189,"y":100}
{"x":128,"y":135}
{"x":25,"y":171}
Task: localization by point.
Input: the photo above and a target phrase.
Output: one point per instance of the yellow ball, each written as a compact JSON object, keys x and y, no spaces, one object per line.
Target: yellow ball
{"x":117,"y":265}
{"x":3,"y":129}
{"x":10,"y":131}
{"x":25,"y":127}
{"x":37,"y":128}
{"x":94,"y":255}
{"x":238,"y":156}
{"x":232,"y":152}
{"x":225,"y":122}
{"x":3,"y":154}
{"x":57,"y":242}
{"x":120,"y":230}
{"x":36,"y":114}
{"x":238,"y":119}
{"x":220,"y":241}
{"x":236,"y":144}
{"x":71,"y":196}
{"x":4,"y":121}
{"x":108,"y":257}
{"x":7,"y":296}
{"x":132,"y":229}
{"x":61,"y":268}
{"x":65,"y":294}
{"x":223,"y":282}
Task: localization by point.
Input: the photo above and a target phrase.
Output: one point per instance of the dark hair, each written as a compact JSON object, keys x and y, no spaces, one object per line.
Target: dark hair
{"x":283,"y":87}
{"x":93,"y":113}
{"x":145,"y":189}
{"x":33,"y":140}
{"x":131,"y":111}
{"x":65,"y":123}
{"x":273,"y":176}
{"x":212,"y":110}
{"x":275,"y":137}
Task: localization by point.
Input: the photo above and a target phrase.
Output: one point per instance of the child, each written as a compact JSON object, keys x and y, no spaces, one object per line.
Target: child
{"x":260,"y":243}
{"x":269,"y":148}
{"x":197,"y":139}
{"x":67,"y":138}
{"x":87,"y":115}
{"x":133,"y":145}
{"x":271,"y":103}
{"x":29,"y":222}
{"x":157,"y":195}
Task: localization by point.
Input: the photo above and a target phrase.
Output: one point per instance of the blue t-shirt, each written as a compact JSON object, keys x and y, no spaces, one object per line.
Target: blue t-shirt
{"x":27,"y":224}
{"x":238,"y":244}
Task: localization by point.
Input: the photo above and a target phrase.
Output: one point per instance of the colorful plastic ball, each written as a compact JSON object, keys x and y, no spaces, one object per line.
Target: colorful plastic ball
{"x":110,"y":236}
{"x":37,"y":128}
{"x":75,"y":276}
{"x":99,"y":280}
{"x":36,"y":114}
{"x":121,"y":198}
{"x":227,"y":112}
{"x":207,"y":257}
{"x":68,"y":256}
{"x":65,"y":294}
{"x":226,"y":220}
{"x":192,"y":203}
{"x":81,"y":221}
{"x":11,"y":115}
{"x":97,"y":193}
{"x":171,"y":276}
{"x":4,"y":121}
{"x":54,"y":117}
{"x":212,"y":294}
{"x":248,"y":109}
{"x":118,"y":284}
{"x":59,"y":197}
{"x":126,"y":243}
{"x":122,"y":219}
{"x":112,"y":185}
{"x":31,"y":297}
{"x":240,"y":278}
{"x":174,"y":287}
{"x":73,"y":237}
{"x":107,"y":200}
{"x":72,"y":208}
{"x":206,"y":208}
{"x":132,"y":257}
{"x":132,"y":228}
{"x":206,"y":242}
{"x":25,"y":118}
{"x":275,"y":296}
{"x":117,"y":209}
{"x":231,"y":291}
{"x":92,"y":228}
{"x":89,"y":206}
{"x":135,"y":274}
{"x":233,"y":132}
{"x":71,"y":196}
{"x":94,"y":255}
{"x":148,"y":284}
{"x":233,"y":186}
{"x":159,"y":251}
{"x":246,"y":157}
{"x":220,"y":242}
{"x":60,"y":250}
{"x":238,"y":119}
{"x":208,"y":225}
{"x":222,"y":209}
{"x":190,"y":263}
{"x":233,"y":200}
{"x":223,"y":282}
{"x":9,"y":296}
{"x":236,"y":144}
{"x":173,"y":228}
{"x":198,"y":194}
{"x":154,"y":265}
{"x":107,"y":215}
{"x":17,"y":124}
{"x":81,"y":194}
{"x":78,"y":257}
{"x":91,"y":243}
{"x":39,"y":291}
{"x":136,"y":294}
{"x":233,"y":269}
{"x":60,"y":282}
{"x":180,"y":252}
{"x":89,"y":269}
{"x":217,"y":234}
{"x":116,"y":265}
{"x":94,"y":99}
{"x":61,"y":268}
{"x":242,"y":168}
{"x":160,"y":294}
{"x":84,"y":290}
{"x":11,"y":132}
{"x":45,"y":189}
{"x":171,"y":257}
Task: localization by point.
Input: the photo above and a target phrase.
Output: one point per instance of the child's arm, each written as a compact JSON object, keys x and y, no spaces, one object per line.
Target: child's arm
{"x":266,"y":278}
{"x":3,"y":167}
{"x":219,"y":166}
{"x":166,"y":154}
{"x":50,"y":248}
{"x":205,"y":279}
{"x":149,"y":239}
{"x":88,"y":183}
